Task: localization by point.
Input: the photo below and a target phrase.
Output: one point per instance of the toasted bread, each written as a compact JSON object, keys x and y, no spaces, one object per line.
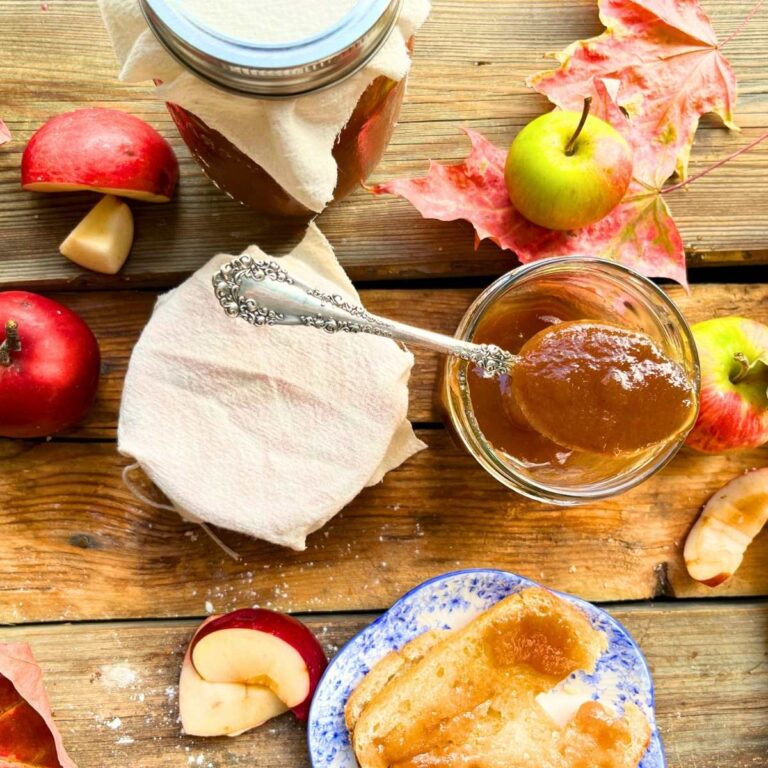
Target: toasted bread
{"x":468,"y":699}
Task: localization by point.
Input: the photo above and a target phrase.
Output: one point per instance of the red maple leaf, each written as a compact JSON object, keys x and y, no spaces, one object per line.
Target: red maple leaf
{"x":671,"y":69}
{"x":28,"y":736}
{"x":640,"y":232}
{"x":5,"y":134}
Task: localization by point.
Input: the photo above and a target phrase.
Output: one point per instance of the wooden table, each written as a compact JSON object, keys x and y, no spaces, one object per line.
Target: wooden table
{"x":107,"y":590}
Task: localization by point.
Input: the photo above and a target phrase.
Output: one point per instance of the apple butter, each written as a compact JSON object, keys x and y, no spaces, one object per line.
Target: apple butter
{"x":585,"y":397}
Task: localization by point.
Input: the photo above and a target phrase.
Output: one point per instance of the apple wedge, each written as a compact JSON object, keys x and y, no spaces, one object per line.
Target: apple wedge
{"x":727,"y":525}
{"x":102,"y":241}
{"x":222,"y":709}
{"x":263,"y":654}
{"x":102,"y":150}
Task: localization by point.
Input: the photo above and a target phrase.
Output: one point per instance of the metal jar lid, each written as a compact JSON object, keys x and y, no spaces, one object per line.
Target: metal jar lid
{"x":273,"y":70}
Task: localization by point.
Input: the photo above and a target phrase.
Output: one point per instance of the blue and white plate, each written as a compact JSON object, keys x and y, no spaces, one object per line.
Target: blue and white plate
{"x":448,"y":602}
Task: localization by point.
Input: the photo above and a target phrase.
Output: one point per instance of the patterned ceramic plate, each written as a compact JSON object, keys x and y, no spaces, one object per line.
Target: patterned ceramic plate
{"x":449,"y":601}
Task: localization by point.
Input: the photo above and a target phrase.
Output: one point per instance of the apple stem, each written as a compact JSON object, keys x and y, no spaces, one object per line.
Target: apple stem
{"x":744,"y":368}
{"x":570,"y":147}
{"x":12,"y":342}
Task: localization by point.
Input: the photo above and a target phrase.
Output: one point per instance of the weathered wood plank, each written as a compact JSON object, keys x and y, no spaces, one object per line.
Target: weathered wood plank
{"x":118,"y":317}
{"x":114,"y":689}
{"x":78,"y":546}
{"x":471,"y":63}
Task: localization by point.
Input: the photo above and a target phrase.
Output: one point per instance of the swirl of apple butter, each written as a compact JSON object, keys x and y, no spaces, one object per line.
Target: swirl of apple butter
{"x":598,"y":387}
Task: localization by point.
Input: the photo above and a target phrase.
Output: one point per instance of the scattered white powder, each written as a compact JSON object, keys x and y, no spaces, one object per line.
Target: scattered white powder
{"x":208,"y":606}
{"x":125,"y":740}
{"x":118,"y":675}
{"x":114,"y":724}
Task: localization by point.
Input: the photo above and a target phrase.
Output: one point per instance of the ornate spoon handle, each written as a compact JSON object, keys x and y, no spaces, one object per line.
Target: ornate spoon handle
{"x":263,"y":293}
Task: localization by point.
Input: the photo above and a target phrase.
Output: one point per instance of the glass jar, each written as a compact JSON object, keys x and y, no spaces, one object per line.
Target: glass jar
{"x":538,"y":295}
{"x":284,"y":70}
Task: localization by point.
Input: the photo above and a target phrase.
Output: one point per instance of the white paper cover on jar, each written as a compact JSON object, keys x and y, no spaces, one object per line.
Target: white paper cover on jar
{"x":266,"y":431}
{"x":291,"y":139}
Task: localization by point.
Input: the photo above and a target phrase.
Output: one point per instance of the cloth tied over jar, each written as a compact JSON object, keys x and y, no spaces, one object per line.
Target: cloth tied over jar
{"x":267,"y":431}
{"x":291,"y":138}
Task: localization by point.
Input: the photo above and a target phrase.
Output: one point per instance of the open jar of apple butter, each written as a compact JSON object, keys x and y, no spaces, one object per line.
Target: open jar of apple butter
{"x":244,"y":48}
{"x":627,"y":333}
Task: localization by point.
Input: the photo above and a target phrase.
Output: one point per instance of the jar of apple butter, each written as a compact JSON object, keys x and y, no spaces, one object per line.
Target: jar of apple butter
{"x":284,"y":52}
{"x":606,"y":304}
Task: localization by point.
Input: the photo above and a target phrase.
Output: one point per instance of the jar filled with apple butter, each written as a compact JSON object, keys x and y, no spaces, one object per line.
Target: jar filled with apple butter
{"x":587,"y":331}
{"x":297,"y":63}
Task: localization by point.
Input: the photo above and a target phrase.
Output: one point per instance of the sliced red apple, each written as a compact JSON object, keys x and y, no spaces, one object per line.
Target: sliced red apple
{"x":102,"y":150}
{"x":102,"y":240}
{"x":727,"y":525}
{"x":255,"y":646}
{"x":222,"y":709}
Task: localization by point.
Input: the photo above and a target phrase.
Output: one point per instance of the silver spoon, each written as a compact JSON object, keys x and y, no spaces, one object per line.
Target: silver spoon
{"x":263,"y":293}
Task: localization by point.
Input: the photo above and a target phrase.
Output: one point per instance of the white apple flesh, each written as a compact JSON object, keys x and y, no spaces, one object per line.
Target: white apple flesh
{"x":565,"y":170}
{"x":733,"y":413}
{"x":102,"y":241}
{"x":257,"y":647}
{"x":222,"y":709}
{"x":727,"y":525}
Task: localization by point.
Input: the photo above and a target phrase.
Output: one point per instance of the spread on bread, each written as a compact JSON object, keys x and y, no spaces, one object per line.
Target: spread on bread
{"x":467,"y":698}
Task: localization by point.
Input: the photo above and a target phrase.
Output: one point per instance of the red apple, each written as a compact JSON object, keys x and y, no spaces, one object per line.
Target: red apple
{"x":102,"y":150}
{"x":254,"y":646}
{"x":49,"y":366}
{"x":565,"y":170}
{"x":733,"y":414}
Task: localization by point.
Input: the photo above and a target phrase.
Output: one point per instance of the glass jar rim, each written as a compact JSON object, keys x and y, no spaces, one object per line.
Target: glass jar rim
{"x":274,"y":70}
{"x":471,"y":436}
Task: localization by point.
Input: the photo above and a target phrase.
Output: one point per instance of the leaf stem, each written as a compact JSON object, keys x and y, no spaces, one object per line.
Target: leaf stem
{"x":570,"y":147}
{"x":755,"y":8}
{"x":725,"y":160}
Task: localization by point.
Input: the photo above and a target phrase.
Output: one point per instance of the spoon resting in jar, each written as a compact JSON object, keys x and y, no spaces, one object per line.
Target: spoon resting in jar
{"x":583,"y":384}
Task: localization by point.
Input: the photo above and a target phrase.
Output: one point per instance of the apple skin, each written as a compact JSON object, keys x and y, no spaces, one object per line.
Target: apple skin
{"x":104,"y":150}
{"x":285,"y":628}
{"x":52,"y":381}
{"x":732,"y":416}
{"x":560,"y":191}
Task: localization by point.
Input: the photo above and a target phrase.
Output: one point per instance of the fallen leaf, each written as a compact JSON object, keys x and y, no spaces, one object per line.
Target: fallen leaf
{"x":28,"y":736}
{"x":640,"y":233}
{"x":666,"y":56}
{"x":5,"y":134}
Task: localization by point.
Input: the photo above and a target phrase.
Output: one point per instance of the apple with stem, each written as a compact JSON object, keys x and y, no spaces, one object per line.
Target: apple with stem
{"x":565,"y":170}
{"x":49,"y":366}
{"x":733,"y":411}
{"x":244,"y":668}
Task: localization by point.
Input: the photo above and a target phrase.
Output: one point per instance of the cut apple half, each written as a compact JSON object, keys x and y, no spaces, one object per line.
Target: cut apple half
{"x":100,"y":150}
{"x":259,"y":648}
{"x":102,"y":241}
{"x":727,"y":525}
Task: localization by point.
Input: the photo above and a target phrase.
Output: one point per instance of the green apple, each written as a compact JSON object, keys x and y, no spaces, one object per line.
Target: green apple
{"x":733,"y":411}
{"x":565,"y":170}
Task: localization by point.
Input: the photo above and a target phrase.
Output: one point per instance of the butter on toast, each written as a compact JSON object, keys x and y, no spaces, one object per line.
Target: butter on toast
{"x":468,"y":699}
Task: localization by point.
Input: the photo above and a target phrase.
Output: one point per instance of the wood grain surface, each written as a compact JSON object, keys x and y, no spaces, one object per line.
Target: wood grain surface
{"x":117,"y":319}
{"x":114,"y":689}
{"x":78,"y":546}
{"x":471,"y":63}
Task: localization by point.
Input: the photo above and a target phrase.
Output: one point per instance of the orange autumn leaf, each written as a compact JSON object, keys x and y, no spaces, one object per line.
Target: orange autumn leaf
{"x":5,"y":134}
{"x":639,"y":233}
{"x":28,"y":736}
{"x":671,"y":69}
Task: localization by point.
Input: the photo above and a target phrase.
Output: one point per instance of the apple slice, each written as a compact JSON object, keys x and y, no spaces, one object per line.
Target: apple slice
{"x":254,"y":646}
{"x":222,"y":709}
{"x":729,"y":521}
{"x":102,"y":240}
{"x":102,"y":150}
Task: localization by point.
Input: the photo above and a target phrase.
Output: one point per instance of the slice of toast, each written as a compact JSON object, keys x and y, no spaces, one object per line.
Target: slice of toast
{"x":470,"y":684}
